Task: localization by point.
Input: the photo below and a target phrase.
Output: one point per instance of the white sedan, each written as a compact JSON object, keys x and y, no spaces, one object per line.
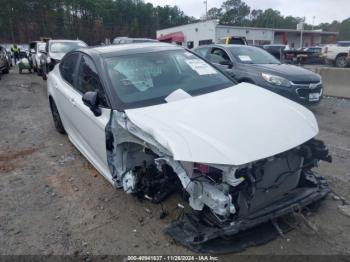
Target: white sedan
{"x":154,"y":118}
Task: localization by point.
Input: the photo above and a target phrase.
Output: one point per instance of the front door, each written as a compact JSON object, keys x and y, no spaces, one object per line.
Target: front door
{"x":90,"y":129}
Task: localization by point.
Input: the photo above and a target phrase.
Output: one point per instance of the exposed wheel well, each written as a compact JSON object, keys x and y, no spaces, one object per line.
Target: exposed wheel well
{"x":341,"y":54}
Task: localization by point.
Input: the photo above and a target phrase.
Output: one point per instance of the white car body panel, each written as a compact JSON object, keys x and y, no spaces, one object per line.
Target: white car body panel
{"x":333,"y":50}
{"x":86,"y":131}
{"x":233,"y":126}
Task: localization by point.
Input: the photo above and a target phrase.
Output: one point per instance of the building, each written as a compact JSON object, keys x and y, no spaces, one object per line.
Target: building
{"x":206,"y":32}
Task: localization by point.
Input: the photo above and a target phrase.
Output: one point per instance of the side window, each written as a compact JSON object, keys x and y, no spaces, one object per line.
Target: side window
{"x":88,"y":79}
{"x":218,"y":55}
{"x":203,"y":52}
{"x":67,"y":67}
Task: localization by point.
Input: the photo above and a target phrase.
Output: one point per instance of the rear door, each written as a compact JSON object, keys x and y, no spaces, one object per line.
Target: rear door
{"x":63,"y":87}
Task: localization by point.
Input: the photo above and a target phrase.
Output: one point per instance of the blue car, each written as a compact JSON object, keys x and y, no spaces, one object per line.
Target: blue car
{"x":255,"y":65}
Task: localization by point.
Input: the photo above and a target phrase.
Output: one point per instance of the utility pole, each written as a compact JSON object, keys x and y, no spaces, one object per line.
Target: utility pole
{"x":10,"y":14}
{"x":300,"y":27}
{"x":206,"y":9}
{"x":313,"y":22}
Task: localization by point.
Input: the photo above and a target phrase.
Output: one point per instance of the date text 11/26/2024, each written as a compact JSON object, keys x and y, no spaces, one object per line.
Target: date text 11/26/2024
{"x":173,"y":258}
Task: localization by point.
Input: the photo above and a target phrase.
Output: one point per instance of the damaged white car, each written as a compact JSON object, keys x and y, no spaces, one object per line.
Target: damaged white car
{"x":154,"y":118}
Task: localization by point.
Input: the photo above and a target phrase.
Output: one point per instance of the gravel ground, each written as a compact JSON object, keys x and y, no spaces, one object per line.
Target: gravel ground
{"x":52,"y":201}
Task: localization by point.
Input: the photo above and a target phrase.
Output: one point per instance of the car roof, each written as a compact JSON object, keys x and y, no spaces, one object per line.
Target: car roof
{"x":64,"y":40}
{"x":272,"y":45}
{"x":112,"y":50}
{"x":133,"y":38}
{"x":223,"y":46}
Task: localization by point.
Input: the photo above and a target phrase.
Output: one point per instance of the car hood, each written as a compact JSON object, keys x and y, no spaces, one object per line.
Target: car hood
{"x":233,"y":126}
{"x":290,"y":72}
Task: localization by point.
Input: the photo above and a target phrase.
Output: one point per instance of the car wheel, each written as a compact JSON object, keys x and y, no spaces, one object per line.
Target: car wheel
{"x":43,"y":73}
{"x":6,"y":70}
{"x":341,"y":61}
{"x":56,"y":117}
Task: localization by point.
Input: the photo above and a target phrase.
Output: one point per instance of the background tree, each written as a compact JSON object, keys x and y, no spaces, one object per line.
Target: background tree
{"x":94,"y":20}
{"x":235,"y":12}
{"x":214,"y":13}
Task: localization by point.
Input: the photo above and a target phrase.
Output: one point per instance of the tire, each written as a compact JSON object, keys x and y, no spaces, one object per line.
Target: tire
{"x":44,"y":74}
{"x":39,"y":72}
{"x":56,"y":117}
{"x":6,"y":70}
{"x":341,"y":61}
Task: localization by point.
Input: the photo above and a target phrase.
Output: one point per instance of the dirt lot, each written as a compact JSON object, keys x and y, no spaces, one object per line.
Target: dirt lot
{"x":52,"y":201}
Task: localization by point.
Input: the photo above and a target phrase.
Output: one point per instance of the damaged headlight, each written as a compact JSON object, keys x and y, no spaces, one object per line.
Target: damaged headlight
{"x":276,"y":80}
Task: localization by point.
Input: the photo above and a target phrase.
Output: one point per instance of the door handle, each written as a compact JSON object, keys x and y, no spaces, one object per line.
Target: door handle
{"x":72,"y":100}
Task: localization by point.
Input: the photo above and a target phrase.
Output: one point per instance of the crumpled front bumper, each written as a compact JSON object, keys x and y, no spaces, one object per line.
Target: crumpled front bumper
{"x":255,"y":229}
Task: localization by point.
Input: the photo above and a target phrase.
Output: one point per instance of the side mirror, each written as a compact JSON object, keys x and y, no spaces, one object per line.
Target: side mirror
{"x":90,"y":99}
{"x":227,"y":63}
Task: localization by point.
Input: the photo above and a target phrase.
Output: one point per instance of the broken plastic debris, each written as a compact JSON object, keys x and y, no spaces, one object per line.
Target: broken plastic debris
{"x":65,"y":159}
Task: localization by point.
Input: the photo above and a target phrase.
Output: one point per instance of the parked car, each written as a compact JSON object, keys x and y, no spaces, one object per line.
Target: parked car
{"x":36,"y":48}
{"x":128,"y":40}
{"x":314,"y":55}
{"x":154,"y":119}
{"x":254,"y":65}
{"x":231,"y":40}
{"x":4,"y":63}
{"x":9,"y":57}
{"x":55,"y":51}
{"x":275,"y":50}
{"x":336,"y":54}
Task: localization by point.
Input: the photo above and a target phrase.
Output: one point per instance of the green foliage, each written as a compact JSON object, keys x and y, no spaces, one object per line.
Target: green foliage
{"x":238,"y":13}
{"x":94,"y":20}
{"x":89,"y":20}
{"x":235,"y":12}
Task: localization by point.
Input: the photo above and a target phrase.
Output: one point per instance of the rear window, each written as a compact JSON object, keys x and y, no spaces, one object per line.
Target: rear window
{"x":65,"y":47}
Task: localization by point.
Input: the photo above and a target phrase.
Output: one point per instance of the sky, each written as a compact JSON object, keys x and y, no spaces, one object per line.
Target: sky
{"x":323,"y":10}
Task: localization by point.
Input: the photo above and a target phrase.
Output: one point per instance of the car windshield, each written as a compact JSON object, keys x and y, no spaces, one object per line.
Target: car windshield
{"x":41,"y":46}
{"x":252,"y":55}
{"x":65,"y":47}
{"x":148,"y":78}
